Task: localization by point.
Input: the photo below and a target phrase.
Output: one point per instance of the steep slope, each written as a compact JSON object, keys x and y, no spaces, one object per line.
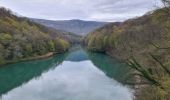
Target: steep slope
{"x":78,"y":27}
{"x":144,"y":43}
{"x":20,"y":38}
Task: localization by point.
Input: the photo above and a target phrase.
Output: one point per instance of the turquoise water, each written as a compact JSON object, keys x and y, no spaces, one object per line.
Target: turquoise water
{"x":77,"y":75}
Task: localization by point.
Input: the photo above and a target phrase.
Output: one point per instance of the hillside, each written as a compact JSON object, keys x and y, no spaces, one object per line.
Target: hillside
{"x":144,"y":43}
{"x":21,"y":38}
{"x":78,"y":27}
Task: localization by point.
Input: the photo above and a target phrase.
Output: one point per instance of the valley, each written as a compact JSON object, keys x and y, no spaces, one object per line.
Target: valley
{"x":75,"y":59}
{"x":76,"y":26}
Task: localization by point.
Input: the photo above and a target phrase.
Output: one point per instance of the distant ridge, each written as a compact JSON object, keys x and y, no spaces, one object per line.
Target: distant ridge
{"x":79,"y":27}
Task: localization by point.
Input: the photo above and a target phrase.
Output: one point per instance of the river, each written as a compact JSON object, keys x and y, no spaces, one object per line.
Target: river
{"x":76,"y":75}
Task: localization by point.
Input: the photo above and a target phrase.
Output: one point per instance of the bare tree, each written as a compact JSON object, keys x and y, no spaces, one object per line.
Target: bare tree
{"x":166,"y":3}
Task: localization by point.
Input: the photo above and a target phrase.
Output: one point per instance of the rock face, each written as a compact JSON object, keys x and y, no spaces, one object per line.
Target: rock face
{"x":78,"y":27}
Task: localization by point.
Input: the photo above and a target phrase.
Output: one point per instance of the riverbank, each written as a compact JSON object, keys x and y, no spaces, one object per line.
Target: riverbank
{"x":47,"y":55}
{"x":139,"y":82}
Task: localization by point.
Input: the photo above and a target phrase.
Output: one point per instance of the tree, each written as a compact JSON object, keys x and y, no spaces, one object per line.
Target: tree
{"x":28,"y":50}
{"x":166,"y":3}
{"x":5,"y":38}
{"x":61,"y":45}
{"x":1,"y":54}
{"x":51,"y":45}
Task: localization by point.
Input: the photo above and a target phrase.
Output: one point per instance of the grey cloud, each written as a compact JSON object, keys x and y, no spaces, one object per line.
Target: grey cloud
{"x":100,"y":10}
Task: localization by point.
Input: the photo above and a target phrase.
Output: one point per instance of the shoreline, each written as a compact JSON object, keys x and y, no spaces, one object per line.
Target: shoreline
{"x":138,"y":84}
{"x":39,"y":57}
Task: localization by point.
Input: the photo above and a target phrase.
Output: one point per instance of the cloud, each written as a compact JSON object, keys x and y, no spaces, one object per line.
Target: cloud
{"x":100,"y":10}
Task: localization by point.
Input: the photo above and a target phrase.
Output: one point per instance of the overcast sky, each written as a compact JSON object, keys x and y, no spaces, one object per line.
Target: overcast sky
{"x":98,"y":10}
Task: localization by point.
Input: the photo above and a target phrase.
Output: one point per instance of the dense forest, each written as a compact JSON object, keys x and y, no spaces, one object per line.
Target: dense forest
{"x":144,"y":43}
{"x":20,"y":38}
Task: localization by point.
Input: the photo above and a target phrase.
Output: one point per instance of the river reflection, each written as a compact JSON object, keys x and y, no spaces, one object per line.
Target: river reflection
{"x":69,"y":79}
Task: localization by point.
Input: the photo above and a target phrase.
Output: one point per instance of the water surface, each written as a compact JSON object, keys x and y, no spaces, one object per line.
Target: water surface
{"x":76,"y":75}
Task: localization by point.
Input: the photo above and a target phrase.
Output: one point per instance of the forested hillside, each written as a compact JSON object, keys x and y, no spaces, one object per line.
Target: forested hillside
{"x":20,"y":38}
{"x":78,"y":27}
{"x":144,"y":43}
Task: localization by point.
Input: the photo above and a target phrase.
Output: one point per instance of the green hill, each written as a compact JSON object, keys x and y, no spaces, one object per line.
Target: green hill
{"x":21,"y":38}
{"x":144,"y":43}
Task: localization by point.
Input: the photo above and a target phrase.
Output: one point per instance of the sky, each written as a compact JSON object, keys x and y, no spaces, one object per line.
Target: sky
{"x":95,"y":10}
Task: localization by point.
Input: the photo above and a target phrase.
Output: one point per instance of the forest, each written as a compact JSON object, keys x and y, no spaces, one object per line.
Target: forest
{"x":21,"y":38}
{"x":143,"y":43}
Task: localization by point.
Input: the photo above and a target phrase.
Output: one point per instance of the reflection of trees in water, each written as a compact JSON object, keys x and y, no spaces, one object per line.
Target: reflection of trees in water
{"x":14,"y":75}
{"x":77,"y":54}
{"x":112,"y":68}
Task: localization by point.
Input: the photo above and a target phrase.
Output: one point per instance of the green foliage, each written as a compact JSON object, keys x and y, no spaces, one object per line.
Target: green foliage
{"x":61,"y":45}
{"x":1,"y":54}
{"x":97,"y":43}
{"x":28,"y":49}
{"x":51,"y":45}
{"x":21,"y":38}
{"x":5,"y":38}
